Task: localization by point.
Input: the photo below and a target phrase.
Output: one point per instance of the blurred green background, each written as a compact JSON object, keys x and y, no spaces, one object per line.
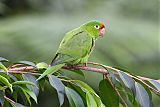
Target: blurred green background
{"x":32,"y":30}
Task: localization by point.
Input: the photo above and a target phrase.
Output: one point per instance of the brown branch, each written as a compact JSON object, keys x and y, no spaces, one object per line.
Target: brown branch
{"x":9,"y":100}
{"x":21,"y":70}
{"x":17,"y":65}
{"x":117,"y":70}
{"x":29,"y":70}
{"x":86,"y":68}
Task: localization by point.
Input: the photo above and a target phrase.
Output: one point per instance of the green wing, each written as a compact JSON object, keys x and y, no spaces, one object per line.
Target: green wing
{"x":75,"y":45}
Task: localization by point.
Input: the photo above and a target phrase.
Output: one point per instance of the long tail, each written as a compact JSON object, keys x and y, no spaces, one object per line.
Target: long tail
{"x":54,"y":60}
{"x":60,"y":59}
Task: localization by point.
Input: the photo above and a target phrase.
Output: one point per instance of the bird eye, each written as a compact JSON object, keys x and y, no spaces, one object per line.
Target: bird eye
{"x":97,"y":26}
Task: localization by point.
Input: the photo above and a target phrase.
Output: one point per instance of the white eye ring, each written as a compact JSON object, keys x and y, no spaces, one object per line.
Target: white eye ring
{"x":97,"y":26}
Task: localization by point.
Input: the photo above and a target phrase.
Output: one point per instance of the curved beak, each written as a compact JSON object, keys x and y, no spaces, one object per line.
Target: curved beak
{"x":102,"y":32}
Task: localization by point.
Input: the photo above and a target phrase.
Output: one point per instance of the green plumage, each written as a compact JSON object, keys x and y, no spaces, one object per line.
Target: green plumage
{"x":76,"y":46}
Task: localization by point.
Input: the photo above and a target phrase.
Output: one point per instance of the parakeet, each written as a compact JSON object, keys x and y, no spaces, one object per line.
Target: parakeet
{"x":77,"y":45}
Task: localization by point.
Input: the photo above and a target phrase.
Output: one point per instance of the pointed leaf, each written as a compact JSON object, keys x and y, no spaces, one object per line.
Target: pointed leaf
{"x":26,"y":95}
{"x":108,"y":94}
{"x":12,"y":77}
{"x":8,"y":76}
{"x":30,"y":93}
{"x":5,"y":74}
{"x":90,"y":100}
{"x":74,"y":98}
{"x":87,"y":88}
{"x":31,"y":78}
{"x":17,"y":105}
{"x":23,"y":83}
{"x":3,"y":67}
{"x":79,"y":91}
{"x":142,"y":96}
{"x":83,"y":85}
{"x":27,"y":63}
{"x":6,"y":82}
{"x":127,"y":80}
{"x":98,"y":100}
{"x":42,"y":65}
{"x":58,"y":85}
{"x":156,"y":84}
{"x":3,"y":59}
{"x":51,"y":70}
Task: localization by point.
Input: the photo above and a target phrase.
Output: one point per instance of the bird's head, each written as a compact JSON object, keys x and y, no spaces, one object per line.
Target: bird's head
{"x":95,"y":28}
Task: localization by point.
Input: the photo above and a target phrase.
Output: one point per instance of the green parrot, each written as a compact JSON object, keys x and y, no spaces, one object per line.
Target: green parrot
{"x":77,"y":45}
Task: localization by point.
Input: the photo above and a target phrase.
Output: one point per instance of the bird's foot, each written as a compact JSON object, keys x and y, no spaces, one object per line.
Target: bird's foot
{"x":72,"y":65}
{"x":85,"y":64}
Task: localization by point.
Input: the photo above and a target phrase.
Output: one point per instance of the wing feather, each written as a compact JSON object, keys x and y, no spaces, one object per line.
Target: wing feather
{"x":75,"y":45}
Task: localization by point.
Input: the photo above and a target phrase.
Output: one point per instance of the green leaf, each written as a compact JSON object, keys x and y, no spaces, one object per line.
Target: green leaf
{"x":27,"y":63}
{"x":58,"y":85}
{"x":155,"y":84}
{"x":79,"y":91}
{"x":98,"y":100}
{"x":51,"y":70}
{"x":3,"y":67}
{"x":12,"y":77}
{"x":80,"y":72}
{"x":42,"y":65}
{"x":142,"y":96}
{"x":23,"y":83}
{"x":7,"y":75}
{"x":30,"y":93}
{"x":27,"y":96}
{"x":1,"y":98}
{"x":83,"y":85}
{"x":127,"y":80}
{"x":17,"y":105}
{"x":108,"y":94}
{"x":31,"y":78}
{"x":6,"y":82}
{"x":3,"y":59}
{"x":87,"y":88}
{"x":90,"y":100}
{"x":74,"y":98}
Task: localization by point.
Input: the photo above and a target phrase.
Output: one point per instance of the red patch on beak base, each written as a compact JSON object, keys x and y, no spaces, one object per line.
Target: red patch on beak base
{"x":102,"y":30}
{"x":102,"y":26}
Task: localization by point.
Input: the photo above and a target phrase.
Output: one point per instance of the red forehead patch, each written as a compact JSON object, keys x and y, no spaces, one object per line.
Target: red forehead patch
{"x":102,"y":25}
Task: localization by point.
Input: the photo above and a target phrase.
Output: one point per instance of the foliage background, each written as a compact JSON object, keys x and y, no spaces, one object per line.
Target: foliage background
{"x":32,"y":30}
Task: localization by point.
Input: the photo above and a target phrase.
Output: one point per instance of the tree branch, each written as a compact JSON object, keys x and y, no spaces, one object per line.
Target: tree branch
{"x":23,"y":69}
{"x":28,"y":69}
{"x":9,"y":100}
{"x":86,"y":68}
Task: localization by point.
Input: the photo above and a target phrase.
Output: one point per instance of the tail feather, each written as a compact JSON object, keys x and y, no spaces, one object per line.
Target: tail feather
{"x":54,"y":60}
{"x":61,"y":58}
